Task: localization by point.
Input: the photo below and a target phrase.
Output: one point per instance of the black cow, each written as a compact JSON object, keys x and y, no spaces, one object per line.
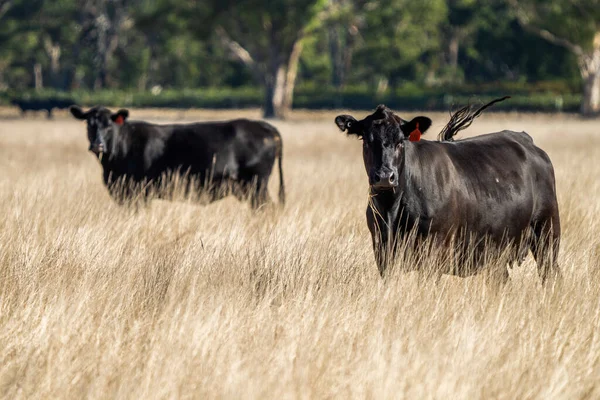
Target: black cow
{"x":41,"y":105}
{"x":217,"y":158}
{"x":490,"y":192}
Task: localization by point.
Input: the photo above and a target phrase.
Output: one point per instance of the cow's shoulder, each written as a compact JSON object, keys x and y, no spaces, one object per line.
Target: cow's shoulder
{"x":143,"y":129}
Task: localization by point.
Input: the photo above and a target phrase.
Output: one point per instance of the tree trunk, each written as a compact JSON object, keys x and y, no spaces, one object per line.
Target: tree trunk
{"x":105,"y":57}
{"x":71,"y":70}
{"x":290,"y":79}
{"x":453,"y":48}
{"x":337,"y":57}
{"x":54,"y":51}
{"x":590,"y":103}
{"x":142,"y":82}
{"x":38,"y":76}
{"x":3,"y":65}
{"x":280,"y":83}
{"x":274,"y":90}
{"x":382,"y":86}
{"x":4,"y":7}
{"x":107,"y":41}
{"x":589,"y":65}
{"x":278,"y":94}
{"x":100,"y":81}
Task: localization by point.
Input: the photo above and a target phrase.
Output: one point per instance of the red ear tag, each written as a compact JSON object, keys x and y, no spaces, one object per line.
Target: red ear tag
{"x":415,"y":135}
{"x":119,"y":120}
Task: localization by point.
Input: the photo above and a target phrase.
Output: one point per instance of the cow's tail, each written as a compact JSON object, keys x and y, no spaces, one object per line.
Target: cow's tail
{"x":279,"y":156}
{"x":280,"y":163}
{"x":463,"y":118}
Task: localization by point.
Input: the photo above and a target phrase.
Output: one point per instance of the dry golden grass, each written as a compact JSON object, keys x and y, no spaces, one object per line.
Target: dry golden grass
{"x":181,"y":300}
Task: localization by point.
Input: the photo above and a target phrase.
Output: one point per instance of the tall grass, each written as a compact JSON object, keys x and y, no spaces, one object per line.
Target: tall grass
{"x":181,"y":300}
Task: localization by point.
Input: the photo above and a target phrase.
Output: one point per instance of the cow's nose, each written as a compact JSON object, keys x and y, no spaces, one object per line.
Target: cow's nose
{"x":392,"y":179}
{"x":96,"y":148}
{"x":385,"y":180}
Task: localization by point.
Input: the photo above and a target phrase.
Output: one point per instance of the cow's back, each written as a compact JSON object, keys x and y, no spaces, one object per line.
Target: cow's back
{"x":499,"y":164}
{"x":220,"y":148}
{"x":491,"y":183}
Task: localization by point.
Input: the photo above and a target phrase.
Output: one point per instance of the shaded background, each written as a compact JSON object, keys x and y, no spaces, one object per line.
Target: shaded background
{"x":431,"y":54}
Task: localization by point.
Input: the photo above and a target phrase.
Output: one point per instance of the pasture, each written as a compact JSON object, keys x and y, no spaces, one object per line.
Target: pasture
{"x":183,"y":300}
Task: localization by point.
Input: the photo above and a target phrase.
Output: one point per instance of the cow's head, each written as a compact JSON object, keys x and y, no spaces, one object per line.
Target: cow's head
{"x":102,"y":125}
{"x":383,"y":134}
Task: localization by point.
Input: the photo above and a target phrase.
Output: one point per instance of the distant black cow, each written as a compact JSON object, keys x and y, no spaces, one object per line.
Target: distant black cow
{"x":41,"y":105}
{"x":495,"y":191}
{"x":219,"y":158}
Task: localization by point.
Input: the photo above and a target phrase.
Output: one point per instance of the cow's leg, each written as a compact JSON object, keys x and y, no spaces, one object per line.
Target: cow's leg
{"x":117,"y":192}
{"x":545,"y":246}
{"x":497,"y":275}
{"x":260,"y":194}
{"x":380,"y":235}
{"x":136,"y":200}
{"x":128,"y":193}
{"x":521,"y":253}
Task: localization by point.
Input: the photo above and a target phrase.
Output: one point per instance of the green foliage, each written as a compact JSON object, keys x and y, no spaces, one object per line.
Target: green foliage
{"x":544,"y":96}
{"x":397,"y":34}
{"x":356,"y":53}
{"x":576,"y":20}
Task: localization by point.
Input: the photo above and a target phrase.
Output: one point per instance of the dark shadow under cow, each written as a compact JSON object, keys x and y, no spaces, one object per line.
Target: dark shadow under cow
{"x":217,"y":159}
{"x":486,"y":194}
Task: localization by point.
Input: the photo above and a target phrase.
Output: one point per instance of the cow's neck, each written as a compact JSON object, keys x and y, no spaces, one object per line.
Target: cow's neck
{"x":115,"y":143}
{"x":111,"y":161}
{"x":401,"y":203}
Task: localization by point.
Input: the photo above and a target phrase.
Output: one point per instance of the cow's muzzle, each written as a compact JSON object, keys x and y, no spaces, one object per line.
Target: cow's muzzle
{"x":384,"y":180}
{"x":97,"y":148}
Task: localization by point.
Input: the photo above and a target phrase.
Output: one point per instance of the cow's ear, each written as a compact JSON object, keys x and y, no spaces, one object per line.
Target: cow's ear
{"x":414,"y":128}
{"x":347,"y":123}
{"x":120,"y":116}
{"x":78,"y":112}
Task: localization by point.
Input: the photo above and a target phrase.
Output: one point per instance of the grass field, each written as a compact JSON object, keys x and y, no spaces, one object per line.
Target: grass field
{"x":182,"y":300}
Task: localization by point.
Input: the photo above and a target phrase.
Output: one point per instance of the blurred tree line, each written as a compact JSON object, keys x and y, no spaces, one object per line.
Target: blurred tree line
{"x":382,"y":45}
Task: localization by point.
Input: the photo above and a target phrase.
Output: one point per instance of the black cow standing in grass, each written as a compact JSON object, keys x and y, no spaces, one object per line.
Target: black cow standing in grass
{"x":494,"y":191}
{"x":215,"y":158}
{"x":41,"y":105}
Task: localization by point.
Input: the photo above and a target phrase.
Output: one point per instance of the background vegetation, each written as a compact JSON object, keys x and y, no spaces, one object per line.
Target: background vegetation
{"x":336,"y":53}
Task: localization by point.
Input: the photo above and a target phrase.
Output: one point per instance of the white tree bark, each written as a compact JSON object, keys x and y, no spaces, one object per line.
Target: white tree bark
{"x":38,"y":76}
{"x":4,"y":7}
{"x":590,"y":72}
{"x":278,"y":78}
{"x":292,"y":74}
{"x":589,"y":60}
{"x":589,"y":66}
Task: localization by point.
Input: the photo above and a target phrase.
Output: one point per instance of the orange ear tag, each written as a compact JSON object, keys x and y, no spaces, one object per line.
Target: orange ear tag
{"x":119,"y":120}
{"x":415,"y":135}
